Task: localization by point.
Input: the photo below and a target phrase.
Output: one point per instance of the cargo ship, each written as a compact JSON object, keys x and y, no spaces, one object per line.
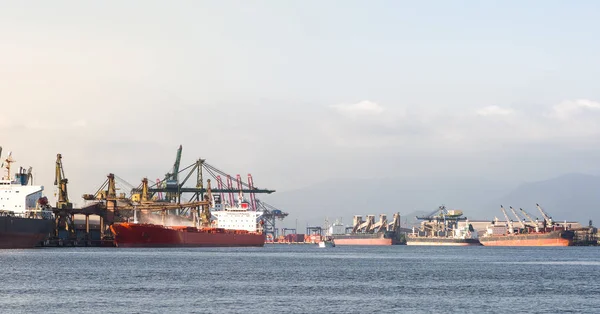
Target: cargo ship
{"x":367,"y":232}
{"x":548,"y":233}
{"x":25,"y":218}
{"x":230,"y":227}
{"x":440,"y":228}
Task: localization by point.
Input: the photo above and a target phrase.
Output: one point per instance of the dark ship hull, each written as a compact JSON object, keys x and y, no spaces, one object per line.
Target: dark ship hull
{"x":23,"y":233}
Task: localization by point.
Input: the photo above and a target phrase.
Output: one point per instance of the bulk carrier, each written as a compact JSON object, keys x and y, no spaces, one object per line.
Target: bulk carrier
{"x":549,"y":233}
{"x":441,"y":228}
{"x":368,"y":232}
{"x":234,"y":226}
{"x":25,"y":219}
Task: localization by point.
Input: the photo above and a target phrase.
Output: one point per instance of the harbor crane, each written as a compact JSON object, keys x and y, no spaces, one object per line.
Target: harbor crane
{"x":535,"y":223}
{"x":61,"y":181}
{"x":547,"y":219}
{"x":511,"y":228}
{"x":518,"y":218}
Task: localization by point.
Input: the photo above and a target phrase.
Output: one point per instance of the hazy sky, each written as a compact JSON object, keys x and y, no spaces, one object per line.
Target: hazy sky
{"x":298,"y":92}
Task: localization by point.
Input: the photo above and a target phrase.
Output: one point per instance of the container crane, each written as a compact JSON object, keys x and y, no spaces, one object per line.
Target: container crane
{"x":535,"y":223}
{"x":230,"y":187}
{"x":252,"y":195}
{"x":159,"y":194}
{"x":220,"y":186}
{"x":511,"y":229}
{"x":240,"y":187}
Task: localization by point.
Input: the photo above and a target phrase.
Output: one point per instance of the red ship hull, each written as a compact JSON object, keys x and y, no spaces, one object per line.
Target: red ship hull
{"x":148,"y":235}
{"x":374,"y":241}
{"x":553,"y":238}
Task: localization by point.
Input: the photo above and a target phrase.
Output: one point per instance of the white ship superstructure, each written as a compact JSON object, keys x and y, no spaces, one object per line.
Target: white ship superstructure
{"x":236,"y":217}
{"x":16,"y":196}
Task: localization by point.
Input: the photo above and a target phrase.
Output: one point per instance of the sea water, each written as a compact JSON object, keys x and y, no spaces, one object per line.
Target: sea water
{"x":301,"y":279}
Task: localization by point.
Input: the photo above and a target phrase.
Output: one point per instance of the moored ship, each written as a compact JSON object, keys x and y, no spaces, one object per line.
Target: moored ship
{"x":440,"y":228}
{"x":150,"y":235}
{"x":231,"y":227}
{"x":25,"y":218}
{"x":368,"y":232}
{"x":549,"y":233}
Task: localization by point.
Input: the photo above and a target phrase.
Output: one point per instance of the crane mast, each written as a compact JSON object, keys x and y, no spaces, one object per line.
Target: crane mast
{"x":60,"y":181}
{"x":511,"y":229}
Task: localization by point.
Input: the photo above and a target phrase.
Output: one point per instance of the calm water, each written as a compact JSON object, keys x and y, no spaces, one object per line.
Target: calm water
{"x":301,"y":279}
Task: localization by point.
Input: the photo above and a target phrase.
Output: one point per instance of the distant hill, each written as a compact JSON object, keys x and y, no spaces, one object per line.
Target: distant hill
{"x":344,"y":198}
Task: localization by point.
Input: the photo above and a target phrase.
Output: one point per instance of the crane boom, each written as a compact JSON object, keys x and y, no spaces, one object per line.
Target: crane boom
{"x":547,"y":218}
{"x":537,"y":228}
{"x":176,"y":164}
{"x":511,"y":229}
{"x":517,"y":216}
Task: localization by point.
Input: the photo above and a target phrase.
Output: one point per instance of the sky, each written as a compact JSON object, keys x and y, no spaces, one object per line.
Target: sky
{"x":301,"y":92}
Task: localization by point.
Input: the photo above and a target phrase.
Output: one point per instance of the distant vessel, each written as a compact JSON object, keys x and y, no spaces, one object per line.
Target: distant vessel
{"x":441,"y":228}
{"x":549,"y":233}
{"x":25,"y":218}
{"x":368,"y":232}
{"x":234,"y":226}
{"x":326,"y":242}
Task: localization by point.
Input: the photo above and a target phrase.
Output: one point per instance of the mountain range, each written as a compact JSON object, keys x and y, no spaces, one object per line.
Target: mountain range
{"x":572,"y":197}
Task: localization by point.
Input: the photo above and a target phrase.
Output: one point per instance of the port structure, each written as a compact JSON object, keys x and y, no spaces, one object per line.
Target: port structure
{"x":180,"y":200}
{"x":370,"y":226}
{"x":270,"y":216}
{"x":174,"y":184}
{"x":441,"y":221}
{"x":112,"y":206}
{"x":174,"y":187}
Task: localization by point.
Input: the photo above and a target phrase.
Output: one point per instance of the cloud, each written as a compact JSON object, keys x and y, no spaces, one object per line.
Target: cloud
{"x":363,"y":108}
{"x":569,"y":108}
{"x":456,"y":130}
{"x":494,"y":111}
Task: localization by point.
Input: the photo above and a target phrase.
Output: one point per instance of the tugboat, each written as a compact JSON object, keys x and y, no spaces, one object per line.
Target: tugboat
{"x":26,"y":219}
{"x":327,"y":242}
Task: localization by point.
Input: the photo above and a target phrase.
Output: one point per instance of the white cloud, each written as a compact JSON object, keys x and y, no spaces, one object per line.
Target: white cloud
{"x":494,"y":111}
{"x":463,"y":130}
{"x":363,"y":108}
{"x":569,"y":108}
